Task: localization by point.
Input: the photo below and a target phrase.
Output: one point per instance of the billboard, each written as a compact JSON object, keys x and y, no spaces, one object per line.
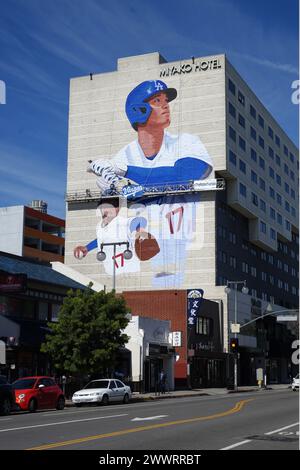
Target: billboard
{"x":160,"y":229}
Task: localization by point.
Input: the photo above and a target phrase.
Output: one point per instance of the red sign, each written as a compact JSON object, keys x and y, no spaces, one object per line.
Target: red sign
{"x":12,"y":282}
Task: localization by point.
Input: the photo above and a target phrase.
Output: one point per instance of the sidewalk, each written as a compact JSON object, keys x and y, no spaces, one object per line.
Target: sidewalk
{"x":140,"y":397}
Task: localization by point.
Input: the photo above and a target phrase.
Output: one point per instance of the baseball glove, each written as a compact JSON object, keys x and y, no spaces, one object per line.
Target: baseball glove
{"x":146,"y":246}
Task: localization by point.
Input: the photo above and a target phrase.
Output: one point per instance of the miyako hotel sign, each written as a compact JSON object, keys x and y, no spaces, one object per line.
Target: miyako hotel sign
{"x":187,"y":67}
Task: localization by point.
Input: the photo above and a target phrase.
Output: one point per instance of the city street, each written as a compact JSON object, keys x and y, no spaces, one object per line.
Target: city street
{"x":266,"y":420}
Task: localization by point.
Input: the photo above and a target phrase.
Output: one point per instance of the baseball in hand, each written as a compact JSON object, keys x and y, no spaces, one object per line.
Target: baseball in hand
{"x":80,"y":252}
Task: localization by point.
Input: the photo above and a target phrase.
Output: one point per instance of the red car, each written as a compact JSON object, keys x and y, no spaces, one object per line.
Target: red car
{"x":32,"y":393}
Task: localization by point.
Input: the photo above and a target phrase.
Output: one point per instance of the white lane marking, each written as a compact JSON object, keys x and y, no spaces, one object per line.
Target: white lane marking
{"x":61,"y":422}
{"x":281,"y":429}
{"x":236,"y":445}
{"x":149,"y":418}
{"x":266,"y":434}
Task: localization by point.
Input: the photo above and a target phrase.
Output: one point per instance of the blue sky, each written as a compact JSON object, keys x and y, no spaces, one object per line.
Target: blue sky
{"x":44,"y":44}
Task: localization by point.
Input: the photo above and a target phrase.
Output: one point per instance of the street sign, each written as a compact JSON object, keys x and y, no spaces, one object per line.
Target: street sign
{"x":287,"y":318}
{"x":235,"y":327}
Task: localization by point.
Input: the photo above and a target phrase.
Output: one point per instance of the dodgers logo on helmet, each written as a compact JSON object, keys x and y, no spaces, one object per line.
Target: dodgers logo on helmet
{"x":137,"y":108}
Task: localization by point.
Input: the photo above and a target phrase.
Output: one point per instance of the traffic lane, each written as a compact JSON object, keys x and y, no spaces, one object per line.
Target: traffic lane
{"x":286,"y":438}
{"x":78,"y":426}
{"x":36,"y":433}
{"x":212,"y":432}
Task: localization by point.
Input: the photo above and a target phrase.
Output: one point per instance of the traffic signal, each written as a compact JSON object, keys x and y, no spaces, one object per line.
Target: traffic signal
{"x":234,"y":345}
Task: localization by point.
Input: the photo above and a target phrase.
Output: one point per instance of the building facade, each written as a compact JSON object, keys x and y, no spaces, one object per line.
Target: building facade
{"x":247,"y":230}
{"x":33,"y":233}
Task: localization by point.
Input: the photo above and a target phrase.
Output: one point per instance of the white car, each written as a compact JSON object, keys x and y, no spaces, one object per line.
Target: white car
{"x":295,"y":383}
{"x":102,"y":391}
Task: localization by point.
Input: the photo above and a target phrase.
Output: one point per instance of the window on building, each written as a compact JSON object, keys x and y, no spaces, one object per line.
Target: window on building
{"x":261,"y":121}
{"x":271,"y":172}
{"x":253,"y":155}
{"x":232,"y":134}
{"x":243,"y":190}
{"x":279,"y":218}
{"x":263,"y":256}
{"x":278,"y":161}
{"x":272,"y":213}
{"x":262,"y":184}
{"x":278,"y":199}
{"x":292,"y":175}
{"x":253,"y":271}
{"x":232,"y":262}
{"x":242,"y":143}
{"x":43,"y":311}
{"x":242,"y":121}
{"x":277,"y":140}
{"x":204,"y":326}
{"x":231,"y":110}
{"x":271,"y":259}
{"x":286,"y":188}
{"x":242,"y":166}
{"x":253,"y":133}
{"x":245,"y":267}
{"x":55,"y":310}
{"x":262,"y":205}
{"x":278,"y":179}
{"x":271,"y":279}
{"x":287,"y":225}
{"x":254,"y":199}
{"x":232,"y":238}
{"x":286,"y":169}
{"x":272,"y":192}
{"x":285,"y":150}
{"x":261,"y":163}
{"x":272,"y":234}
{"x":292,"y":158}
{"x":253,"y":177}
{"x":271,"y":153}
{"x":241,"y":98}
{"x":264,"y":296}
{"x":231,"y":86}
{"x":263,"y":227}
{"x":254,"y":293}
{"x":293,"y":194}
{"x":287,"y":206}
{"x":270,"y":132}
{"x":263,"y":276}
{"x":232,"y":157}
{"x":261,"y":142}
{"x":293,"y":211}
{"x":253,"y":252}
{"x":286,"y":287}
{"x":252,"y":111}
{"x":286,"y":268}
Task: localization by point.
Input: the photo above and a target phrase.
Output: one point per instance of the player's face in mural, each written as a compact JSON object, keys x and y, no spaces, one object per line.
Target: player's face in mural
{"x":108,"y":213}
{"x":160,"y":115}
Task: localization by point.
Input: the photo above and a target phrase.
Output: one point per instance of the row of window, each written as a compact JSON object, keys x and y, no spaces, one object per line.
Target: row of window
{"x":262,"y":206}
{"x":268,"y":257}
{"x":261,"y":162}
{"x":264,"y":296}
{"x":257,"y":118}
{"x":223,"y":257}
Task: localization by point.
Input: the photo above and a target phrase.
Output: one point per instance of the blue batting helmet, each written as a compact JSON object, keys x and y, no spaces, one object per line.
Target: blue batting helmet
{"x":137,"y":109}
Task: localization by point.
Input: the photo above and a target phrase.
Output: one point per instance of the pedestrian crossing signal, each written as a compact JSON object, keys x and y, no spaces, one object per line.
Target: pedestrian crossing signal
{"x":234,"y":345}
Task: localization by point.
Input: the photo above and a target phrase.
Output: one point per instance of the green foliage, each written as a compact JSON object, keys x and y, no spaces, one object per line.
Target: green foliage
{"x":88,"y":334}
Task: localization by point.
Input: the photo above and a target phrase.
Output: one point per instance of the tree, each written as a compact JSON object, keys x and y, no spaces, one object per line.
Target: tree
{"x":87,"y":335}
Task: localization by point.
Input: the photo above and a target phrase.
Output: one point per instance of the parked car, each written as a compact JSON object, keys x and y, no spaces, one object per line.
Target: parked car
{"x":102,"y":391}
{"x":295,"y":383}
{"x":7,"y":396}
{"x":33,"y":393}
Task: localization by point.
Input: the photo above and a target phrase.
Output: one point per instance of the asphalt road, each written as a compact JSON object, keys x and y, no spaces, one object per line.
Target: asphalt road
{"x":266,"y":420}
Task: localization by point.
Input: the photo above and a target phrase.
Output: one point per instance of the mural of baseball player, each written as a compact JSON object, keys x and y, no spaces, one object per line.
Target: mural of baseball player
{"x":115,"y":227}
{"x":157,"y":157}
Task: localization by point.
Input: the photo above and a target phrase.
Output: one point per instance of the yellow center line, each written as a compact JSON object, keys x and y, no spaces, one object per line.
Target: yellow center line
{"x":237,"y":408}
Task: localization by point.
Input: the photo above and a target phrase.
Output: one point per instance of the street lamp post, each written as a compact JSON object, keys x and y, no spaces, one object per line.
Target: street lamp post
{"x":101,"y":256}
{"x":245,"y":291}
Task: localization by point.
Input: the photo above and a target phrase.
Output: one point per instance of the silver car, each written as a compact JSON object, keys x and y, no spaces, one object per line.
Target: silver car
{"x":102,"y":391}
